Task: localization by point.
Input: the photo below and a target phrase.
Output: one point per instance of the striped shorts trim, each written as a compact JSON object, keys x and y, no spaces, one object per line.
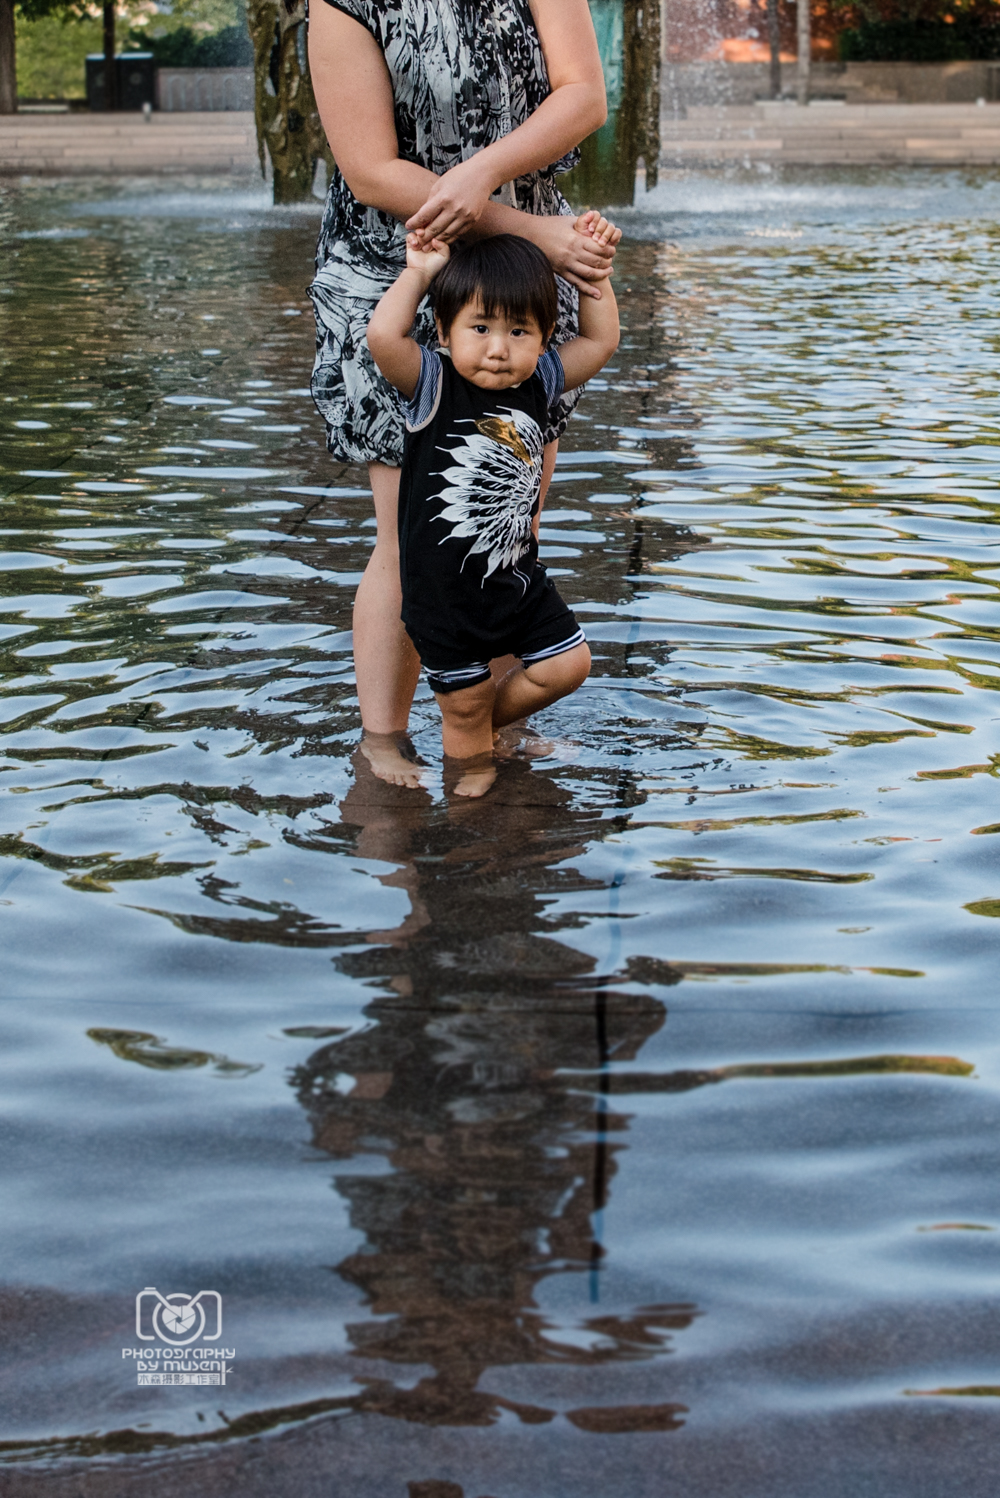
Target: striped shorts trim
{"x":542,"y":655}
{"x":461,"y":676}
{"x":477,"y":672}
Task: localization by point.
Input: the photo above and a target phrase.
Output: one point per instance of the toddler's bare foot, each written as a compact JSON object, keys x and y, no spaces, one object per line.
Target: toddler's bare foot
{"x":475,"y":776}
{"x":476,"y":782}
{"x":382,"y":751}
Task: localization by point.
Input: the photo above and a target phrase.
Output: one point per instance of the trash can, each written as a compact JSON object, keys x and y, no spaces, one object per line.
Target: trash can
{"x":95,"y":80}
{"x":136,"y":80}
{"x":135,"y":77}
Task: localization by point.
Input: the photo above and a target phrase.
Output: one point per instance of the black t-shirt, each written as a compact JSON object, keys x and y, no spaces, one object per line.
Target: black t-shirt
{"x":472,"y":466}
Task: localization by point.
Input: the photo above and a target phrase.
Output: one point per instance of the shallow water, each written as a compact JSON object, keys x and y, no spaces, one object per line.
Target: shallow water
{"x":631,"y":1130}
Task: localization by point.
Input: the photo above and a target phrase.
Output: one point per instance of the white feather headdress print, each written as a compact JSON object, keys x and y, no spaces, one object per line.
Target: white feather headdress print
{"x":491,"y":487}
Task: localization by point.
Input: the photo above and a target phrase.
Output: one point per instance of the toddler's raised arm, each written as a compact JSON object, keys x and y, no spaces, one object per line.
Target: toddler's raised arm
{"x":599,"y":333}
{"x":394,"y":351}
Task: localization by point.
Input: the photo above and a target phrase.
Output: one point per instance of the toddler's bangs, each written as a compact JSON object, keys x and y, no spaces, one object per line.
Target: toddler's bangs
{"x":506,"y":275}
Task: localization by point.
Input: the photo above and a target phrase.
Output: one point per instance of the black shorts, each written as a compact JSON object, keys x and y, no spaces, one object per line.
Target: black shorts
{"x":458,"y":656}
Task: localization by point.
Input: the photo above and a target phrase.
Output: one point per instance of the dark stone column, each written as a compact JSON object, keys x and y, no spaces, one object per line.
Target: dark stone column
{"x":628,"y":34}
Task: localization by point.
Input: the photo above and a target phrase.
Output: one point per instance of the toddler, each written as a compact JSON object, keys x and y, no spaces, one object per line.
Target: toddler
{"x":476,"y":409}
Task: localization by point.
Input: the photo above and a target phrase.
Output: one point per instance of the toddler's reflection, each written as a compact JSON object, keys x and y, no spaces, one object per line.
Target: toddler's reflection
{"x":498,"y":1166}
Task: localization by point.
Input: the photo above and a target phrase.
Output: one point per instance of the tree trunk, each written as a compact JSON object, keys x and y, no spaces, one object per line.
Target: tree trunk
{"x":803,"y":29}
{"x":109,"y":55}
{"x":288,"y":123}
{"x":774,"y":45}
{"x":8,"y":59}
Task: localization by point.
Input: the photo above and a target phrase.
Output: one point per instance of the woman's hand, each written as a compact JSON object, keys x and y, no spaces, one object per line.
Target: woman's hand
{"x":455,"y":204}
{"x":574,"y":253}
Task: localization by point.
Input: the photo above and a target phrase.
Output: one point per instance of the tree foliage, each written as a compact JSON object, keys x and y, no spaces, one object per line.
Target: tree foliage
{"x":919,"y":30}
{"x":35,"y":10}
{"x":184,"y":48}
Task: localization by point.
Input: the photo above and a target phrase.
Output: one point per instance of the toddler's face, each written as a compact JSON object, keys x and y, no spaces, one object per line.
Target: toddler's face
{"x":492,"y":352}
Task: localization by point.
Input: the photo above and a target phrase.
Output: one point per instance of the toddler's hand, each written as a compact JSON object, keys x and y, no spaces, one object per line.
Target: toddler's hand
{"x":597,"y":227}
{"x":428,"y":258}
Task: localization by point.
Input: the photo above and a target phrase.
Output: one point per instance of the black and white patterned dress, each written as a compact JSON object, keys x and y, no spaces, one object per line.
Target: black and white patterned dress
{"x":464,"y":74}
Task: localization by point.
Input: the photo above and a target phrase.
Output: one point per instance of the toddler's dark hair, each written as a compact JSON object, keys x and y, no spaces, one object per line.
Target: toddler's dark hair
{"x":508,"y":274}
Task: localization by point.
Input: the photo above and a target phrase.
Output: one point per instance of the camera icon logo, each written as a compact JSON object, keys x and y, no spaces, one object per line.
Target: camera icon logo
{"x":177,"y":1318}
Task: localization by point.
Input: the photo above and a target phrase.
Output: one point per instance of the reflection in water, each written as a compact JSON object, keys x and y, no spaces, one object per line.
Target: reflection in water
{"x":634,"y":1082}
{"x":981,"y":1391}
{"x":476,"y":1078}
{"x":151,"y":1051}
{"x":94,"y":872}
{"x":500,"y":1167}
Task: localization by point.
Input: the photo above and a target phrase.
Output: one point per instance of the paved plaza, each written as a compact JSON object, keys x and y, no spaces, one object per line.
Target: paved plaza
{"x":823,"y":134}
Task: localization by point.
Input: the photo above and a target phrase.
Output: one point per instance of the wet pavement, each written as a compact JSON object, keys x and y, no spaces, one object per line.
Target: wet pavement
{"x":631,"y":1130}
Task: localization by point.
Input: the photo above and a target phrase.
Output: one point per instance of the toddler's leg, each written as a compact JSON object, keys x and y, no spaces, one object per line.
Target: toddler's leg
{"x":528,"y":689}
{"x":467,"y":735}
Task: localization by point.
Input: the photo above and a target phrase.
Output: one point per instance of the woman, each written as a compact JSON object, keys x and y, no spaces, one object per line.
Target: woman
{"x":451,"y":117}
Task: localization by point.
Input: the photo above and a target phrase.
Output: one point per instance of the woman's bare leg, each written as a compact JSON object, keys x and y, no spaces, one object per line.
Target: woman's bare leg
{"x":386,"y":665}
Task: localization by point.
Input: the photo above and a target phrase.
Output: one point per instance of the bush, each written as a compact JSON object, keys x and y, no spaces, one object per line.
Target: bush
{"x":969,"y":38}
{"x":184,"y":48}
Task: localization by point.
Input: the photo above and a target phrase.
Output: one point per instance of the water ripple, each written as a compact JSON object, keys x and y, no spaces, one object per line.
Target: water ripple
{"x":753,"y":850}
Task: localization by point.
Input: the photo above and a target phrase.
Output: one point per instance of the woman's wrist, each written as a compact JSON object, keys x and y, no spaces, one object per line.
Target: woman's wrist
{"x":500,"y":218}
{"x":545,"y":230}
{"x":485,"y":174}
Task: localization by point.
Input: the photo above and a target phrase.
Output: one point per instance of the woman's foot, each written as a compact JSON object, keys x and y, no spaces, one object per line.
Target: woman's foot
{"x":384,"y":754}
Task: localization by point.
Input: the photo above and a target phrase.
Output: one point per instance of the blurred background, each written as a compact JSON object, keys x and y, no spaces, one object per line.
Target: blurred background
{"x":703,"y":82}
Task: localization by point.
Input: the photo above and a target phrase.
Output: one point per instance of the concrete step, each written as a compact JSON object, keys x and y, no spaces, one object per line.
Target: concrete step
{"x":80,"y":143}
{"x":829,"y":134}
{"x":820,"y":134}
